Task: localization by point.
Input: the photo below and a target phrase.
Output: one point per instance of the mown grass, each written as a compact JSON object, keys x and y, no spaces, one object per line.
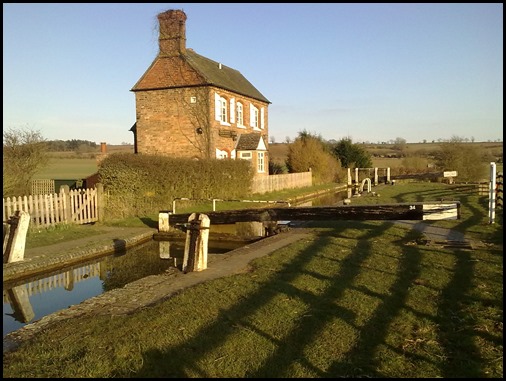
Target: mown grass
{"x":354,"y":299}
{"x":60,"y":233}
{"x":72,"y":169}
{"x":37,"y":237}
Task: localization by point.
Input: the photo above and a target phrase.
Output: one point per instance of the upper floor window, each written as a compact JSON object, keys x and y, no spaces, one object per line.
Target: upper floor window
{"x":221,"y":109}
{"x":239,"y":115}
{"x":253,"y":117}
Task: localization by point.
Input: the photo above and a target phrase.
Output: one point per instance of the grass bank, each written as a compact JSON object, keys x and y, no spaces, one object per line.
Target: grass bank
{"x":357,"y":299}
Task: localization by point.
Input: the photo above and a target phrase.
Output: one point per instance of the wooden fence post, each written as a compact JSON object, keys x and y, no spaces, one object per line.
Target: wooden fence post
{"x":100,"y":202}
{"x":65,"y":195}
{"x":195,"y":250}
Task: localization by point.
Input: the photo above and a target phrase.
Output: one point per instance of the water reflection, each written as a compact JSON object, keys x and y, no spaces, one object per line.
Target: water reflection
{"x":32,"y":299}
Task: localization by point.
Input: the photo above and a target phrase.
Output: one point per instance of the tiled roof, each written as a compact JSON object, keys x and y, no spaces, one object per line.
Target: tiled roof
{"x":248,"y":142}
{"x":165,"y":73}
{"x":224,"y":77}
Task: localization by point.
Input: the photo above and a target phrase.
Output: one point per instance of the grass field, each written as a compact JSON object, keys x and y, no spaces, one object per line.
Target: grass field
{"x":65,"y":165}
{"x":65,"y":168}
{"x":355,"y":299}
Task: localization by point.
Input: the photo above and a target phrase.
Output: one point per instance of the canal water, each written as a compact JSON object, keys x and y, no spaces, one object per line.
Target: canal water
{"x":30,"y":300}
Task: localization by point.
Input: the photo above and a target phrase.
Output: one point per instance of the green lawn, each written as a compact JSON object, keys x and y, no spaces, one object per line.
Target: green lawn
{"x":355,"y":299}
{"x":65,"y":168}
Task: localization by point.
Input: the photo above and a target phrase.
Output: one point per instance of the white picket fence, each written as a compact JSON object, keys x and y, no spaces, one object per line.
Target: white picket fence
{"x":78,"y":206}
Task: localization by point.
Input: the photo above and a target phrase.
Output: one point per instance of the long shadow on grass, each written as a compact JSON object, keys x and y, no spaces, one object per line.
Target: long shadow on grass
{"x":360,"y":360}
{"x":435,"y":194}
{"x":292,"y":349}
{"x":322,"y":310}
{"x":456,"y":325}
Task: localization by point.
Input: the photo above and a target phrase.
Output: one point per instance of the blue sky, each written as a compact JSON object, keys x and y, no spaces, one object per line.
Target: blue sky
{"x":372,"y":72}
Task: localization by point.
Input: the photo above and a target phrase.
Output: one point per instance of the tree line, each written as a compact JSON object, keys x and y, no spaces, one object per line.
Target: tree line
{"x":25,"y":153}
{"x":69,"y":145}
{"x":329,"y":160}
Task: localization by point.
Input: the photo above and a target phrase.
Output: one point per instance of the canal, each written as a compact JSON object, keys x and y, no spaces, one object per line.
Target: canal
{"x":32,"y":299}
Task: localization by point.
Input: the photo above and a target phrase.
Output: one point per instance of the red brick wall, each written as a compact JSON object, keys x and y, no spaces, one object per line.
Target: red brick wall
{"x":166,"y":126}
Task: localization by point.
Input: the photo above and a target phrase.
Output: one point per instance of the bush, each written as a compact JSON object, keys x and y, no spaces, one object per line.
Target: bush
{"x":309,"y":152}
{"x":139,"y":185}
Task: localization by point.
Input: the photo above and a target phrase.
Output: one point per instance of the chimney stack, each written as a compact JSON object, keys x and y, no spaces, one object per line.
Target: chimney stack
{"x":172,"y":38}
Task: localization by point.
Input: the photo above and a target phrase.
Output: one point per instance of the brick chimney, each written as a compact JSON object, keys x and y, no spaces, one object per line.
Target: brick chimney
{"x":172,"y":39}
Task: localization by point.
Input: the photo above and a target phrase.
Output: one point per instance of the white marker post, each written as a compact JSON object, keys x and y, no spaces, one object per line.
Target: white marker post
{"x":491,"y":199}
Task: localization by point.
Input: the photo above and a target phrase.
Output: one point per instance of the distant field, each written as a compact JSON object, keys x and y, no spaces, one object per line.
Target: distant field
{"x":68,"y":169}
{"x":64,"y":165}
{"x":278,"y":152}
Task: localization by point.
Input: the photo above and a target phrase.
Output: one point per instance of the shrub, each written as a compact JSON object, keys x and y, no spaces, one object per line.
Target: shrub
{"x":137,"y":185}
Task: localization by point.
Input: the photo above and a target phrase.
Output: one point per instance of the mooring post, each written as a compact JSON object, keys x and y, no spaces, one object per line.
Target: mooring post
{"x":376,"y":176}
{"x":163,"y":221}
{"x":14,"y":242}
{"x":197,"y":236}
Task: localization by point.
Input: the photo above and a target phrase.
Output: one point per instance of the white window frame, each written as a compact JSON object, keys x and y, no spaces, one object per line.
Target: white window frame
{"x":245,"y":155}
{"x":220,"y":110}
{"x":232,"y":110}
{"x":223,"y":110}
{"x":261,"y":162}
{"x":221,"y":154}
{"x":254,"y":117}
{"x":240,"y":115}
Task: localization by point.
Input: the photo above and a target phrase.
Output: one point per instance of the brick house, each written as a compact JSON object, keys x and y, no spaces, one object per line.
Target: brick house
{"x":190,"y":106}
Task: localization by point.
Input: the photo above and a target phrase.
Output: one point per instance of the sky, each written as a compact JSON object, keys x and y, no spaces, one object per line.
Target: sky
{"x":370,"y":72}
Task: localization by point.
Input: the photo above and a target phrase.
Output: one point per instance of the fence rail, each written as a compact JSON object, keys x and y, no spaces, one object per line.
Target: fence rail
{"x":79,"y":206}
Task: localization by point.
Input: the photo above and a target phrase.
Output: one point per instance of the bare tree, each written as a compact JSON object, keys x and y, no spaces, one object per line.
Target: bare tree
{"x":24,"y":153}
{"x":464,"y":158}
{"x":194,"y":102}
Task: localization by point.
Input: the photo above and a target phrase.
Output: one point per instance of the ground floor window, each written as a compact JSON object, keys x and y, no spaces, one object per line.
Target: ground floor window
{"x":261,"y":162}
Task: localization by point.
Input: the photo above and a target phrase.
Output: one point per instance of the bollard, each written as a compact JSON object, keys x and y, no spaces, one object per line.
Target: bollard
{"x":14,"y":241}
{"x":197,"y":236}
{"x":163,"y":221}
